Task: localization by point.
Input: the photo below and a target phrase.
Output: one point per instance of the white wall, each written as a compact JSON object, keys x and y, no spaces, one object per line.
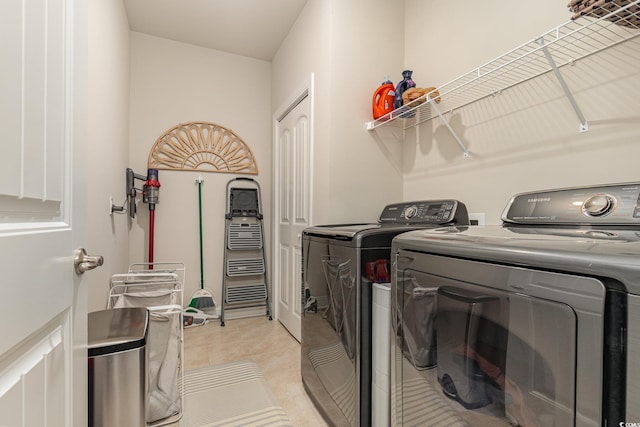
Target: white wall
{"x":350,"y":47}
{"x":527,"y":138}
{"x":108,"y":115}
{"x":173,"y":83}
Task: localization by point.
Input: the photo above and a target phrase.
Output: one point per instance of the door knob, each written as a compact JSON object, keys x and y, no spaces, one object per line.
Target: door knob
{"x":84,"y":262}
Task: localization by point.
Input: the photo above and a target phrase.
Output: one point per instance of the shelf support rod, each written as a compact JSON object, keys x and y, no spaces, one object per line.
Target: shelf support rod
{"x":446,"y":123}
{"x":584,"y":126}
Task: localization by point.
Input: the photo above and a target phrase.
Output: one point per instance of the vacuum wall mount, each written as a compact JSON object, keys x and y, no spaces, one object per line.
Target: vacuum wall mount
{"x":150,"y":191}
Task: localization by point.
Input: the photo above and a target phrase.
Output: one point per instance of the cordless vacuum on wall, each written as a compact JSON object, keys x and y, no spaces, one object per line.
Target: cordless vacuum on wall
{"x":150,"y":193}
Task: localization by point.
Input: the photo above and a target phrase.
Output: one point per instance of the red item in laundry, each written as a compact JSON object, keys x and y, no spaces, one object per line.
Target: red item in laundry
{"x":378,"y":271}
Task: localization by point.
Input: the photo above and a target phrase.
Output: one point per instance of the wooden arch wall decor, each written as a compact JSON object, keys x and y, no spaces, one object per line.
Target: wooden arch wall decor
{"x":202,"y":146}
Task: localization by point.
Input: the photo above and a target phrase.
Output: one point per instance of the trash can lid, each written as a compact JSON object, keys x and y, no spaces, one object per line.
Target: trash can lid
{"x":117,"y":330}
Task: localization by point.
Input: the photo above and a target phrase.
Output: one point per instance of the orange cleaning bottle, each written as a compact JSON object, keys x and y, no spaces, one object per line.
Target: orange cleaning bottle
{"x":383,"y":99}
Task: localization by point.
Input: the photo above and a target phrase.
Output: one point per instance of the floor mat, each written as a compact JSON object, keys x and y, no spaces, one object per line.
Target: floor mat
{"x":233,"y":394}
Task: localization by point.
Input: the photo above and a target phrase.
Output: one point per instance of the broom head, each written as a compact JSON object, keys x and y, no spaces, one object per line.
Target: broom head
{"x":203,"y":300}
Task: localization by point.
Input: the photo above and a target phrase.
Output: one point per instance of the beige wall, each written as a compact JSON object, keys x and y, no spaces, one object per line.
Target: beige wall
{"x":355,"y":172}
{"x":303,"y":52}
{"x":173,"y":83}
{"x":108,"y":115}
{"x":366,"y":45}
{"x":527,"y":138}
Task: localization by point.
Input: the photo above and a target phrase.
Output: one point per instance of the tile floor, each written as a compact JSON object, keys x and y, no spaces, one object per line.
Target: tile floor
{"x":269,"y":345}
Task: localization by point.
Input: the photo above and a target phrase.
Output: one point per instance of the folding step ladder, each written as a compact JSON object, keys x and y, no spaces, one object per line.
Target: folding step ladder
{"x":244,"y":278}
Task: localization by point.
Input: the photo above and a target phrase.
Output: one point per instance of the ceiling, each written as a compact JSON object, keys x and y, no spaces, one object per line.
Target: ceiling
{"x":252,"y":28}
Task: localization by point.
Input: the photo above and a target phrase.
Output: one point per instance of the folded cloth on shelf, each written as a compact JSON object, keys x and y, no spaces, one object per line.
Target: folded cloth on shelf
{"x":415,"y":96}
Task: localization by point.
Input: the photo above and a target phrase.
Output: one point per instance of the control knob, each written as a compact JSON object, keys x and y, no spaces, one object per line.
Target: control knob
{"x":410,"y":211}
{"x":598,"y":205}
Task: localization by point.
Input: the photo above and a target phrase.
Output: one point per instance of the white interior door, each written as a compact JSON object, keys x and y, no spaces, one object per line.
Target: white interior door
{"x":43,"y":362}
{"x":293,"y":193}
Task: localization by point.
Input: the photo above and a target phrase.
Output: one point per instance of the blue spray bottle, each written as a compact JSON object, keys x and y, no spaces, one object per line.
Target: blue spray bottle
{"x":405,"y":84}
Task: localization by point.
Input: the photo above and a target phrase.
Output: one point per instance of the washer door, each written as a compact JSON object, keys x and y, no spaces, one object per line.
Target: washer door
{"x":483,"y":344}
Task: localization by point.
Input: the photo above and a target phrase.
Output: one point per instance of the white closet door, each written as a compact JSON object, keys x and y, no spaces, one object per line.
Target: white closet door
{"x":293,"y":192}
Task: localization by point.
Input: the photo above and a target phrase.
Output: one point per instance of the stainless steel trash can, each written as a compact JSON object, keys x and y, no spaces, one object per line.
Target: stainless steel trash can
{"x":117,"y":367}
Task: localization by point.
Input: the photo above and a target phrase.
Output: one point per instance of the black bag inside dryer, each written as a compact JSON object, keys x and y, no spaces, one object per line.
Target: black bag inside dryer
{"x":471,"y":347}
{"x":417,"y":322}
{"x":342,"y":299}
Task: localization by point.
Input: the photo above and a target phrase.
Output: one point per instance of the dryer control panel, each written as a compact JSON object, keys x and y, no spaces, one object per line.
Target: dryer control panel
{"x":617,"y":204}
{"x":437,"y":212}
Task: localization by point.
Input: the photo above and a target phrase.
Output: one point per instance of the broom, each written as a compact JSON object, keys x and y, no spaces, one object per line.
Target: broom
{"x":202,"y":299}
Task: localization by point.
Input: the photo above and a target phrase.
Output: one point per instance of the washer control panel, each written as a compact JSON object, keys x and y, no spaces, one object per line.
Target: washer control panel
{"x":617,"y":204}
{"x":425,"y":212}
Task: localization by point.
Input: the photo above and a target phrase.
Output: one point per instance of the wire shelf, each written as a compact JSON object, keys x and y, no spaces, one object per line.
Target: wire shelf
{"x":607,"y":25}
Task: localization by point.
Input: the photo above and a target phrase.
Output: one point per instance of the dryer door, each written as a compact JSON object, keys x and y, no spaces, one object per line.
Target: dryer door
{"x":482,"y":344}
